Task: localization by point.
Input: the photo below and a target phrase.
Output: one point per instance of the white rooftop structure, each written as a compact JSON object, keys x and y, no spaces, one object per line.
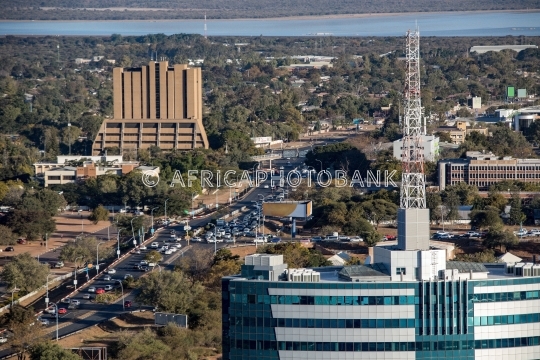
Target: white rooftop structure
{"x":485,"y":49}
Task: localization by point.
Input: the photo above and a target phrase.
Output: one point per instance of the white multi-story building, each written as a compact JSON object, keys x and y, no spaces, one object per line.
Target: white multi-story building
{"x":430,"y":144}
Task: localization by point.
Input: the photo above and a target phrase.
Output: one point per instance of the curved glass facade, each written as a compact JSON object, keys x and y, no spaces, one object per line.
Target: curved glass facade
{"x":410,"y":320}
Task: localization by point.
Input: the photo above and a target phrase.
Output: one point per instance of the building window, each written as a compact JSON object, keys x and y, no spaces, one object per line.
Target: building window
{"x":400,"y":271}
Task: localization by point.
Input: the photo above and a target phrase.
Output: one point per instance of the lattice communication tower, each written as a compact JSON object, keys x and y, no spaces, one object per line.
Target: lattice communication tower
{"x":413,"y":188}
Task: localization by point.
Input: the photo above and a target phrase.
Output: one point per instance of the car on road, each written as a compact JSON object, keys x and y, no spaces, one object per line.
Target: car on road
{"x":317,"y":238}
{"x":44,"y":322}
{"x":534,"y":232}
{"x":108,"y":287}
{"x":92,"y":289}
{"x":75,"y":302}
{"x":127,"y":276}
{"x":343,"y":238}
{"x":145,"y":268}
{"x":196,"y":239}
{"x":168,"y":252}
{"x":87,"y":297}
{"x":154,"y":245}
{"x":152,"y":264}
{"x":356,"y":239}
{"x":144,"y":262}
{"x":473,"y":234}
{"x":65,"y":300}
{"x":9,"y":248}
{"x":107,"y":278}
{"x":111,"y":271}
{"x":100,"y":291}
{"x":266,"y":187}
{"x":281,"y":168}
{"x":3,"y":340}
{"x":143,"y":247}
{"x":521,"y":232}
{"x":127,"y":303}
{"x":62,"y":311}
{"x":51,"y":310}
{"x":259,"y":239}
{"x":176,"y":246}
{"x":173,"y":236}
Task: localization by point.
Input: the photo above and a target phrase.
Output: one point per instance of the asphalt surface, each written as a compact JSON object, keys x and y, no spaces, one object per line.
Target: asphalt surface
{"x":89,"y":313}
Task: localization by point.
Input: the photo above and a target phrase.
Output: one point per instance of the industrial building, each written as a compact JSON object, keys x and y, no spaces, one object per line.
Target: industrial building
{"x":154,"y":105}
{"x":406,"y":302}
{"x":485,"y":169}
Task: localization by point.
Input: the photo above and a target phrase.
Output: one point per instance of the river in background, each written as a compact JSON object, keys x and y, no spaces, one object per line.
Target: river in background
{"x":431,"y":24}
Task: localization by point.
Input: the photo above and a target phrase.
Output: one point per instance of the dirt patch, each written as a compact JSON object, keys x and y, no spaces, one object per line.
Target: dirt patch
{"x":243,"y":251}
{"x":92,"y":335}
{"x":135,"y":319}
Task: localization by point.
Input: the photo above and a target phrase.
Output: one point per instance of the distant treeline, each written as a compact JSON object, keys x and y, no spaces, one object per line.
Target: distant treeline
{"x":196,"y":9}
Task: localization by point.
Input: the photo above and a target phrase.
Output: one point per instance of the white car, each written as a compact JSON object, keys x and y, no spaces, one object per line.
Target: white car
{"x":173,"y":236}
{"x":521,"y":232}
{"x":128,"y":276}
{"x":177,"y":246}
{"x":111,"y":271}
{"x":51,"y":310}
{"x":356,"y":239}
{"x":92,"y":289}
{"x":259,"y":240}
{"x":108,"y":287}
{"x":168,"y":252}
{"x":154,"y":245}
{"x":75,"y":302}
{"x":144,"y":263}
{"x":173,"y":249}
{"x":143,"y":247}
{"x":227,"y":236}
{"x":196,"y":239}
{"x":266,"y":187}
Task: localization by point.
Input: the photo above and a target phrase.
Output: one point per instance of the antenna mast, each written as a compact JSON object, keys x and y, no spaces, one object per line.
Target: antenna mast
{"x":413,"y":187}
{"x":205,"y":25}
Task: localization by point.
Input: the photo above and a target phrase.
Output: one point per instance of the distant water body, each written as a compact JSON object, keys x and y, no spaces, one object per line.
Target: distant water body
{"x":431,"y":24}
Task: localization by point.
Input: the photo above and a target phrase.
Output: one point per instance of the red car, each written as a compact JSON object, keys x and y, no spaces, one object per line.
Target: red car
{"x":62,"y":311}
{"x":100,"y":291}
{"x":127,"y":303}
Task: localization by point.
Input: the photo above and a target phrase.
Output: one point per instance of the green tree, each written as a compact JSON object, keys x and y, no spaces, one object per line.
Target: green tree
{"x":144,"y":345}
{"x":153,"y":256}
{"x":51,"y":351}
{"x":169,"y":291}
{"x":372,"y":238}
{"x":25,"y":273}
{"x":25,"y":333}
{"x":484,"y":219}
{"x":517,"y":216}
{"x":379,"y":210}
{"x":86,"y":249}
{"x":8,"y":237}
{"x":497,"y":236}
{"x":296,"y":255}
{"x":99,"y":214}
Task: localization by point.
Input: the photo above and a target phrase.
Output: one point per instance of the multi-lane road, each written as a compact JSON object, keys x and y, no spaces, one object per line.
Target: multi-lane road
{"x":89,"y":313}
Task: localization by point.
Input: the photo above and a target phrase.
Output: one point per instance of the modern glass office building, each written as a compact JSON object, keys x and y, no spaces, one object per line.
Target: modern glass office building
{"x":470,"y":311}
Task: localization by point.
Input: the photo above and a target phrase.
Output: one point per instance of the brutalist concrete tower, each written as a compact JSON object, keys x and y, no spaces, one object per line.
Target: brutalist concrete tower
{"x":413,"y":217}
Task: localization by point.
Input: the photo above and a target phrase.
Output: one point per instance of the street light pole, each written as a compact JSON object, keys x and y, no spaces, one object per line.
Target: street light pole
{"x":14,"y":290}
{"x":56,"y":312}
{"x":118,"y":239}
{"x":123,"y":303}
{"x":215,"y":238}
{"x":192,"y":211}
{"x":217,"y":199}
{"x":166,"y":219}
{"x":47,"y":297}
{"x":75,"y":272}
{"x":97,"y":257}
{"x":132,"y":230}
{"x":152,"y":213}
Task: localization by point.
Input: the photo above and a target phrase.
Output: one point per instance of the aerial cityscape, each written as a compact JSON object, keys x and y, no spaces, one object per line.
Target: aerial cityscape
{"x":254,"y":180}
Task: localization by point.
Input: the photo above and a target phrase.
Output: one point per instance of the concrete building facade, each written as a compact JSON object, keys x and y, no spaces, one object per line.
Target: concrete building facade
{"x":430,"y":144}
{"x":154,"y":105}
{"x":484,"y":170}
